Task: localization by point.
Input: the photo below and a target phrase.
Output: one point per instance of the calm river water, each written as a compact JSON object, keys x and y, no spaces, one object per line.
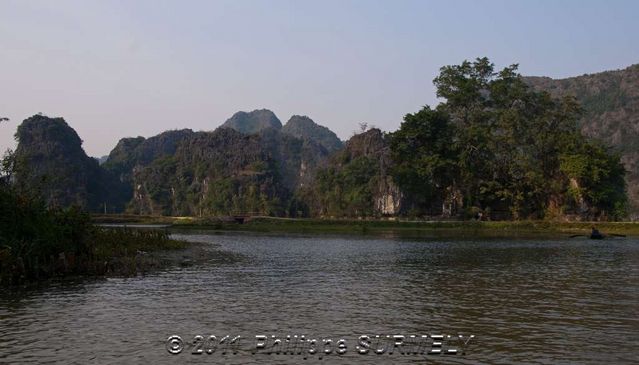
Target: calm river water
{"x":525,"y":301}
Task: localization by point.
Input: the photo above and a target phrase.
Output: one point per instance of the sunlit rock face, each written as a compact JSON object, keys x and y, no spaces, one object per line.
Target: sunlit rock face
{"x":389,"y":198}
{"x":356,"y":181}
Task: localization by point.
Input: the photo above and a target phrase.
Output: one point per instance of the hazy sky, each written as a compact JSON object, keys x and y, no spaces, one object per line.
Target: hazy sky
{"x":126,"y":68}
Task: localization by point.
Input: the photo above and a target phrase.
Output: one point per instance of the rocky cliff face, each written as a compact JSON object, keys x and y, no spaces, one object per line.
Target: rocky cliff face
{"x":246,"y":166}
{"x":388,"y":199}
{"x":138,"y":151}
{"x":305,"y":128}
{"x":253,"y":164}
{"x":214,"y":173}
{"x":356,"y":181}
{"x":610,"y":102}
{"x":133,"y":154}
{"x":270,"y":172}
{"x":52,"y":163}
{"x":253,"y":122}
{"x":374,"y":146}
{"x":297,"y":158}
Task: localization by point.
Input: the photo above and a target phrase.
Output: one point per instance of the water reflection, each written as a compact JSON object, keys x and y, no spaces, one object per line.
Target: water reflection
{"x":570,"y":301}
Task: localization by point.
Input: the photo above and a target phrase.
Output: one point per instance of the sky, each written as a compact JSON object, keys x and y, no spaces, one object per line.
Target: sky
{"x":117,"y":69}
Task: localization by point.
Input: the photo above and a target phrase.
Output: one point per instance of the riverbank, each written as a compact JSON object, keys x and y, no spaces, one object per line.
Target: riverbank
{"x":104,"y":252}
{"x":400,"y":227}
{"x":39,"y":242}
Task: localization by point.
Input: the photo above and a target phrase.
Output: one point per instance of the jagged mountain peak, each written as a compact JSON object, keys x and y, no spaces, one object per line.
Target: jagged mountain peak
{"x":253,"y":122}
{"x":301,"y":126}
{"x":54,"y":165}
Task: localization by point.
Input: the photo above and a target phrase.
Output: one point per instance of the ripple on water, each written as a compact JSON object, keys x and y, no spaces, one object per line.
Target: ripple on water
{"x":526,"y":301}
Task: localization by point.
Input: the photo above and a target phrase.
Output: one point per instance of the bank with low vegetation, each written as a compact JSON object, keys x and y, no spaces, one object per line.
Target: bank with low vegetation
{"x":38,"y":243}
{"x":408,"y":227}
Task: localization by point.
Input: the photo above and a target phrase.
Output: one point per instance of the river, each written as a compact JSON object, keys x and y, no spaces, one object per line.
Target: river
{"x":524,"y":301}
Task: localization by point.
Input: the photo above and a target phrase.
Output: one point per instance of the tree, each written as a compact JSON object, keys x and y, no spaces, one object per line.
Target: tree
{"x":597,"y":177}
{"x":7,"y":167}
{"x":425,"y":157}
{"x":506,"y":147}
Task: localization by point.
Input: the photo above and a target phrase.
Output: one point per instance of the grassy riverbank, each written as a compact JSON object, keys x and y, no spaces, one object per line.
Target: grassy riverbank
{"x":100,"y":252}
{"x":37,"y":243}
{"x":452,"y":228}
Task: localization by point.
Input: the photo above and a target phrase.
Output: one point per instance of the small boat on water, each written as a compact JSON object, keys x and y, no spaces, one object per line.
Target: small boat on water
{"x":596,"y":235}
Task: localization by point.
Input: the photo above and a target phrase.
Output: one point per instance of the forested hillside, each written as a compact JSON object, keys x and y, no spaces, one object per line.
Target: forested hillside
{"x":495,"y":148}
{"x":610,"y":102}
{"x":225,"y":172}
{"x":50,"y":163}
{"x":355,"y":181}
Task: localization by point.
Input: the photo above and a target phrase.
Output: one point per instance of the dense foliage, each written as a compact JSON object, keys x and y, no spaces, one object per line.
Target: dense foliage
{"x":38,"y":242}
{"x":494,"y":146}
{"x":225,"y":173}
{"x":355,"y":181}
{"x":610,"y":101}
{"x":425,"y":158}
{"x":504,"y":149}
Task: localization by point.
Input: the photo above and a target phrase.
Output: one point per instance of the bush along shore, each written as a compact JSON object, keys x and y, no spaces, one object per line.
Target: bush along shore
{"x":37,"y":243}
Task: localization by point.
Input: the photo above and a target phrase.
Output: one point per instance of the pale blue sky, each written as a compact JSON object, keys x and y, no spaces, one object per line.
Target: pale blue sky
{"x":126,"y":68}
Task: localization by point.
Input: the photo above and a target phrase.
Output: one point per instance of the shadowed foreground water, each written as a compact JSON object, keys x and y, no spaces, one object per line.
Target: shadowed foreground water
{"x":526,"y":301}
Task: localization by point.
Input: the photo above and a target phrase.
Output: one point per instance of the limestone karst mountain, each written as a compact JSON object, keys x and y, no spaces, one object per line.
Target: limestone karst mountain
{"x":610,"y":102}
{"x":304,"y":127}
{"x":53,"y":165}
{"x":253,"y":122}
{"x":254,"y":164}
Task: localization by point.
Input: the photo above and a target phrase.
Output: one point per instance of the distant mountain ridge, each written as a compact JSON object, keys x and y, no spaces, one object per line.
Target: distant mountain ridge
{"x":610,"y":102}
{"x":252,"y":163}
{"x":247,"y":164}
{"x":297,"y":126}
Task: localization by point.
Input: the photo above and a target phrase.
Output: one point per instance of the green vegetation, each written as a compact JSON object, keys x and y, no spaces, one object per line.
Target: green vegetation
{"x":352,"y":181}
{"x":375,"y":226}
{"x":495,"y":148}
{"x":348,"y":191}
{"x":52,"y":166}
{"x":39,"y":242}
{"x":505,"y":150}
{"x":409,"y":228}
{"x":426,"y":159}
{"x":610,"y":101}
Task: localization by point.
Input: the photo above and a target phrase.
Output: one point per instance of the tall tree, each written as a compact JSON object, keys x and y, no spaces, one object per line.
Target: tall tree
{"x":425,"y":157}
{"x":503,"y":145}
